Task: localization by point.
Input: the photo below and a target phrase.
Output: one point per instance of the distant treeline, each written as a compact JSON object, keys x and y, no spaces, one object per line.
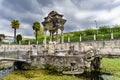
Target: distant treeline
{"x":102,"y":33}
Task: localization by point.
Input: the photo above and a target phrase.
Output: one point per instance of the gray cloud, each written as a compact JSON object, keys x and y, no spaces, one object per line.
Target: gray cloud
{"x":95,"y":4}
{"x":80,"y":14}
{"x":45,"y":2}
{"x":22,"y":6}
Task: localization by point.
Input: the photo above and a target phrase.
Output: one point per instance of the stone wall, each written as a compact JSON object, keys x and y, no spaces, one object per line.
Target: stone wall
{"x":106,"y":47}
{"x":59,"y":61}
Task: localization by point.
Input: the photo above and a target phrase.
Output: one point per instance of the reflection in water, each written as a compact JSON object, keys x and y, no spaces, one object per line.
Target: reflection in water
{"x":96,"y":75}
{"x":5,"y":71}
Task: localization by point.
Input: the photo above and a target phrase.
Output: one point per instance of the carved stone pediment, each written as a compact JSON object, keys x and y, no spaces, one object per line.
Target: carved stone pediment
{"x":53,"y":22}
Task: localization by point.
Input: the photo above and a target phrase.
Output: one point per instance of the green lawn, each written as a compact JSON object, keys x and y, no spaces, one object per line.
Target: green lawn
{"x":111,"y":65}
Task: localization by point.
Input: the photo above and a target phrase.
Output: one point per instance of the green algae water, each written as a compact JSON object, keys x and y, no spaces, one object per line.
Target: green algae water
{"x":45,"y":75}
{"x":110,"y":66}
{"x":6,"y":67}
{"x":38,"y":75}
{"x":5,"y":71}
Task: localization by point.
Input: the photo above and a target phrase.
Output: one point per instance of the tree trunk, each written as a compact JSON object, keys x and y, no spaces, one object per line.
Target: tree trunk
{"x":14,"y":35}
{"x":36,"y":35}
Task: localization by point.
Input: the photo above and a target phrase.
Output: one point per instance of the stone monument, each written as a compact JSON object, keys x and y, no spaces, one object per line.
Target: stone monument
{"x":52,"y":23}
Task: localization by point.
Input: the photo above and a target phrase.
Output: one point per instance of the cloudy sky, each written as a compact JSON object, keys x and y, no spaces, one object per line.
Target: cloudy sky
{"x":80,"y":14}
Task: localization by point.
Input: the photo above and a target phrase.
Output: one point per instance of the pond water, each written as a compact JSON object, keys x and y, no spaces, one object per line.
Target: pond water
{"x":107,"y":77}
{"x":5,"y":71}
{"x":96,"y":75}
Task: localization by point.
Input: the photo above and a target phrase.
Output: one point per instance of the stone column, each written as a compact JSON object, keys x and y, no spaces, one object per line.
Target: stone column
{"x":80,"y":47}
{"x":94,"y":37}
{"x":68,"y":39}
{"x":19,"y":42}
{"x":29,"y":46}
{"x":56,"y":35}
{"x":50,"y":36}
{"x":37,"y":42}
{"x":58,"y":40}
{"x":112,"y":37}
{"x":29,"y":43}
{"x":45,"y":39}
{"x":80,"y":43}
{"x":62,"y":36}
{"x":80,"y":38}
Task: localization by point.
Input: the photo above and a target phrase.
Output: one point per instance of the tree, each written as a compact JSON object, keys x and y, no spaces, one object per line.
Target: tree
{"x":90,"y":31}
{"x":36,"y":26}
{"x":15,"y":25}
{"x":41,"y":31}
{"x":78,"y":33}
{"x":2,"y":36}
{"x":104,"y":29}
{"x":19,"y":38}
{"x":116,"y":28}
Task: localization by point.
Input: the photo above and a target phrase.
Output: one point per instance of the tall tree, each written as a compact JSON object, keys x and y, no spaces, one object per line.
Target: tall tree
{"x":2,"y":36}
{"x":15,"y":25}
{"x":41,"y":31}
{"x":36,"y":26}
{"x":19,"y":38}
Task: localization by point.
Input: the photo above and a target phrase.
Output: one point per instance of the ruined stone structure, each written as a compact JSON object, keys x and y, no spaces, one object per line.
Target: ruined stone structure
{"x":52,"y":23}
{"x":84,"y":61}
{"x":79,"y":55}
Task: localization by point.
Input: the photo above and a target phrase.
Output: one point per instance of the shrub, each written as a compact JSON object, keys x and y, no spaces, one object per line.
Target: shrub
{"x":54,"y":69}
{"x":104,"y":29}
{"x":103,"y":36}
{"x":50,"y":67}
{"x":78,"y":33}
{"x":116,"y":35}
{"x":61,"y":69}
{"x":90,"y":31}
{"x":87,"y":38}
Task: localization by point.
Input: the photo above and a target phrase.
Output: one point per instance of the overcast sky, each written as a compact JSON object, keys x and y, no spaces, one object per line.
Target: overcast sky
{"x":80,"y":14}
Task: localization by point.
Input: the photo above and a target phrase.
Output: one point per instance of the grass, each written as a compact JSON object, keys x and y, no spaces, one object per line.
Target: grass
{"x":111,"y":65}
{"x":38,"y":75}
